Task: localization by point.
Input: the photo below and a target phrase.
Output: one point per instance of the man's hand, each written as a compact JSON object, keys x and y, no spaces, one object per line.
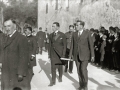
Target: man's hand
{"x":92,"y":59}
{"x":20,"y":78}
{"x":32,"y":57}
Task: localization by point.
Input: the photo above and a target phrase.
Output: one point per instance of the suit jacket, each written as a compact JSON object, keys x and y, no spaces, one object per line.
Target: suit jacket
{"x":40,"y":38}
{"x":69,"y":39}
{"x":15,"y":61}
{"x":32,"y":45}
{"x":82,"y":46}
{"x":57,"y":47}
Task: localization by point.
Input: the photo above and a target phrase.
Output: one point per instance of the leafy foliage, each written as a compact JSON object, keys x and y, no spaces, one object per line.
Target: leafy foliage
{"x":22,"y":11}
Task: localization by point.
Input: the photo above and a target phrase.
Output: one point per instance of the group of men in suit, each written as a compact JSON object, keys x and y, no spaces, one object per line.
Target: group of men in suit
{"x":80,"y":50}
{"x":106,"y":47}
{"x":18,"y":53}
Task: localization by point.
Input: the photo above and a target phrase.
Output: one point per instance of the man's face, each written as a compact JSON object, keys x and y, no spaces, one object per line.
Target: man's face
{"x":54,"y":27}
{"x":71,"y":29}
{"x":27,"y":32}
{"x":9,"y":27}
{"x":79,"y":27}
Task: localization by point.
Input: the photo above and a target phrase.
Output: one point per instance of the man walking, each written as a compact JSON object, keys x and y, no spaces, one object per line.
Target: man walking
{"x":57,"y":51}
{"x":15,"y":59}
{"x":82,"y":49}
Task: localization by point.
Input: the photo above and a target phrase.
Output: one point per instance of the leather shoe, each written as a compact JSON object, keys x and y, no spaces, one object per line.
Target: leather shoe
{"x":51,"y":84}
{"x":81,"y":88}
{"x":70,"y":72}
{"x":60,"y":80}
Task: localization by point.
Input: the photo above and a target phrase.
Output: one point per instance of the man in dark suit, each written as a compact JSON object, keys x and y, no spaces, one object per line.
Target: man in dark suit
{"x":69,"y":38}
{"x":57,"y":51}
{"x":82,"y":49}
{"x":15,"y":59}
{"x":40,"y":39}
{"x":32,"y":44}
{"x":109,"y":44}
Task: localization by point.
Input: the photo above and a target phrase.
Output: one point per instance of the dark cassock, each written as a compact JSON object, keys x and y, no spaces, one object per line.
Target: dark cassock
{"x":32,"y":46}
{"x":97,"y":46}
{"x":57,"y":51}
{"x":15,"y":62}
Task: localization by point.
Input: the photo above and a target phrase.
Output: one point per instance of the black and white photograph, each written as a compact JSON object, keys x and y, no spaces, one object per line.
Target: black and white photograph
{"x":59,"y":44}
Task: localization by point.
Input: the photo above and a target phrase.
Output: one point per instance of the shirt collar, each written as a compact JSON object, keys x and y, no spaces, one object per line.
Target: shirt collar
{"x":81,"y":31}
{"x":12,"y":34}
{"x":56,"y":31}
{"x":29,"y":35}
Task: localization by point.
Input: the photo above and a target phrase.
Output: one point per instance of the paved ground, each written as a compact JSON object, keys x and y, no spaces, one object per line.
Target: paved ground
{"x":98,"y":79}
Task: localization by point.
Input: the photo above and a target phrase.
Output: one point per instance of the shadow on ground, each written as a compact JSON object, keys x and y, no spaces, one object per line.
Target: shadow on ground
{"x":104,"y":87}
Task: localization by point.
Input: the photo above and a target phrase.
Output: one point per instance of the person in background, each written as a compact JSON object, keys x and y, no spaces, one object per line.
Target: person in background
{"x":40,"y":39}
{"x":97,"y":46}
{"x":109,"y":43}
{"x":92,"y":34}
{"x":116,"y":52}
{"x":32,"y":45}
{"x":102,"y":52}
{"x":69,"y":38}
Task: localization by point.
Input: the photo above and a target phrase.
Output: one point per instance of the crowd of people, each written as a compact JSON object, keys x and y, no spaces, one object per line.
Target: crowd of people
{"x":107,"y":48}
{"x":18,"y":52}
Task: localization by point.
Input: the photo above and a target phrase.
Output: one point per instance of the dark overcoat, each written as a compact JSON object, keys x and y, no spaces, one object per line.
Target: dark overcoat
{"x":32,"y":46}
{"x":2,"y":42}
{"x":40,"y":38}
{"x":15,"y":62}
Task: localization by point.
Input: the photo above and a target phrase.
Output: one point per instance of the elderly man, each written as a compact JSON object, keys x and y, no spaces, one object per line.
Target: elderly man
{"x":82,"y":49}
{"x":15,"y":59}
